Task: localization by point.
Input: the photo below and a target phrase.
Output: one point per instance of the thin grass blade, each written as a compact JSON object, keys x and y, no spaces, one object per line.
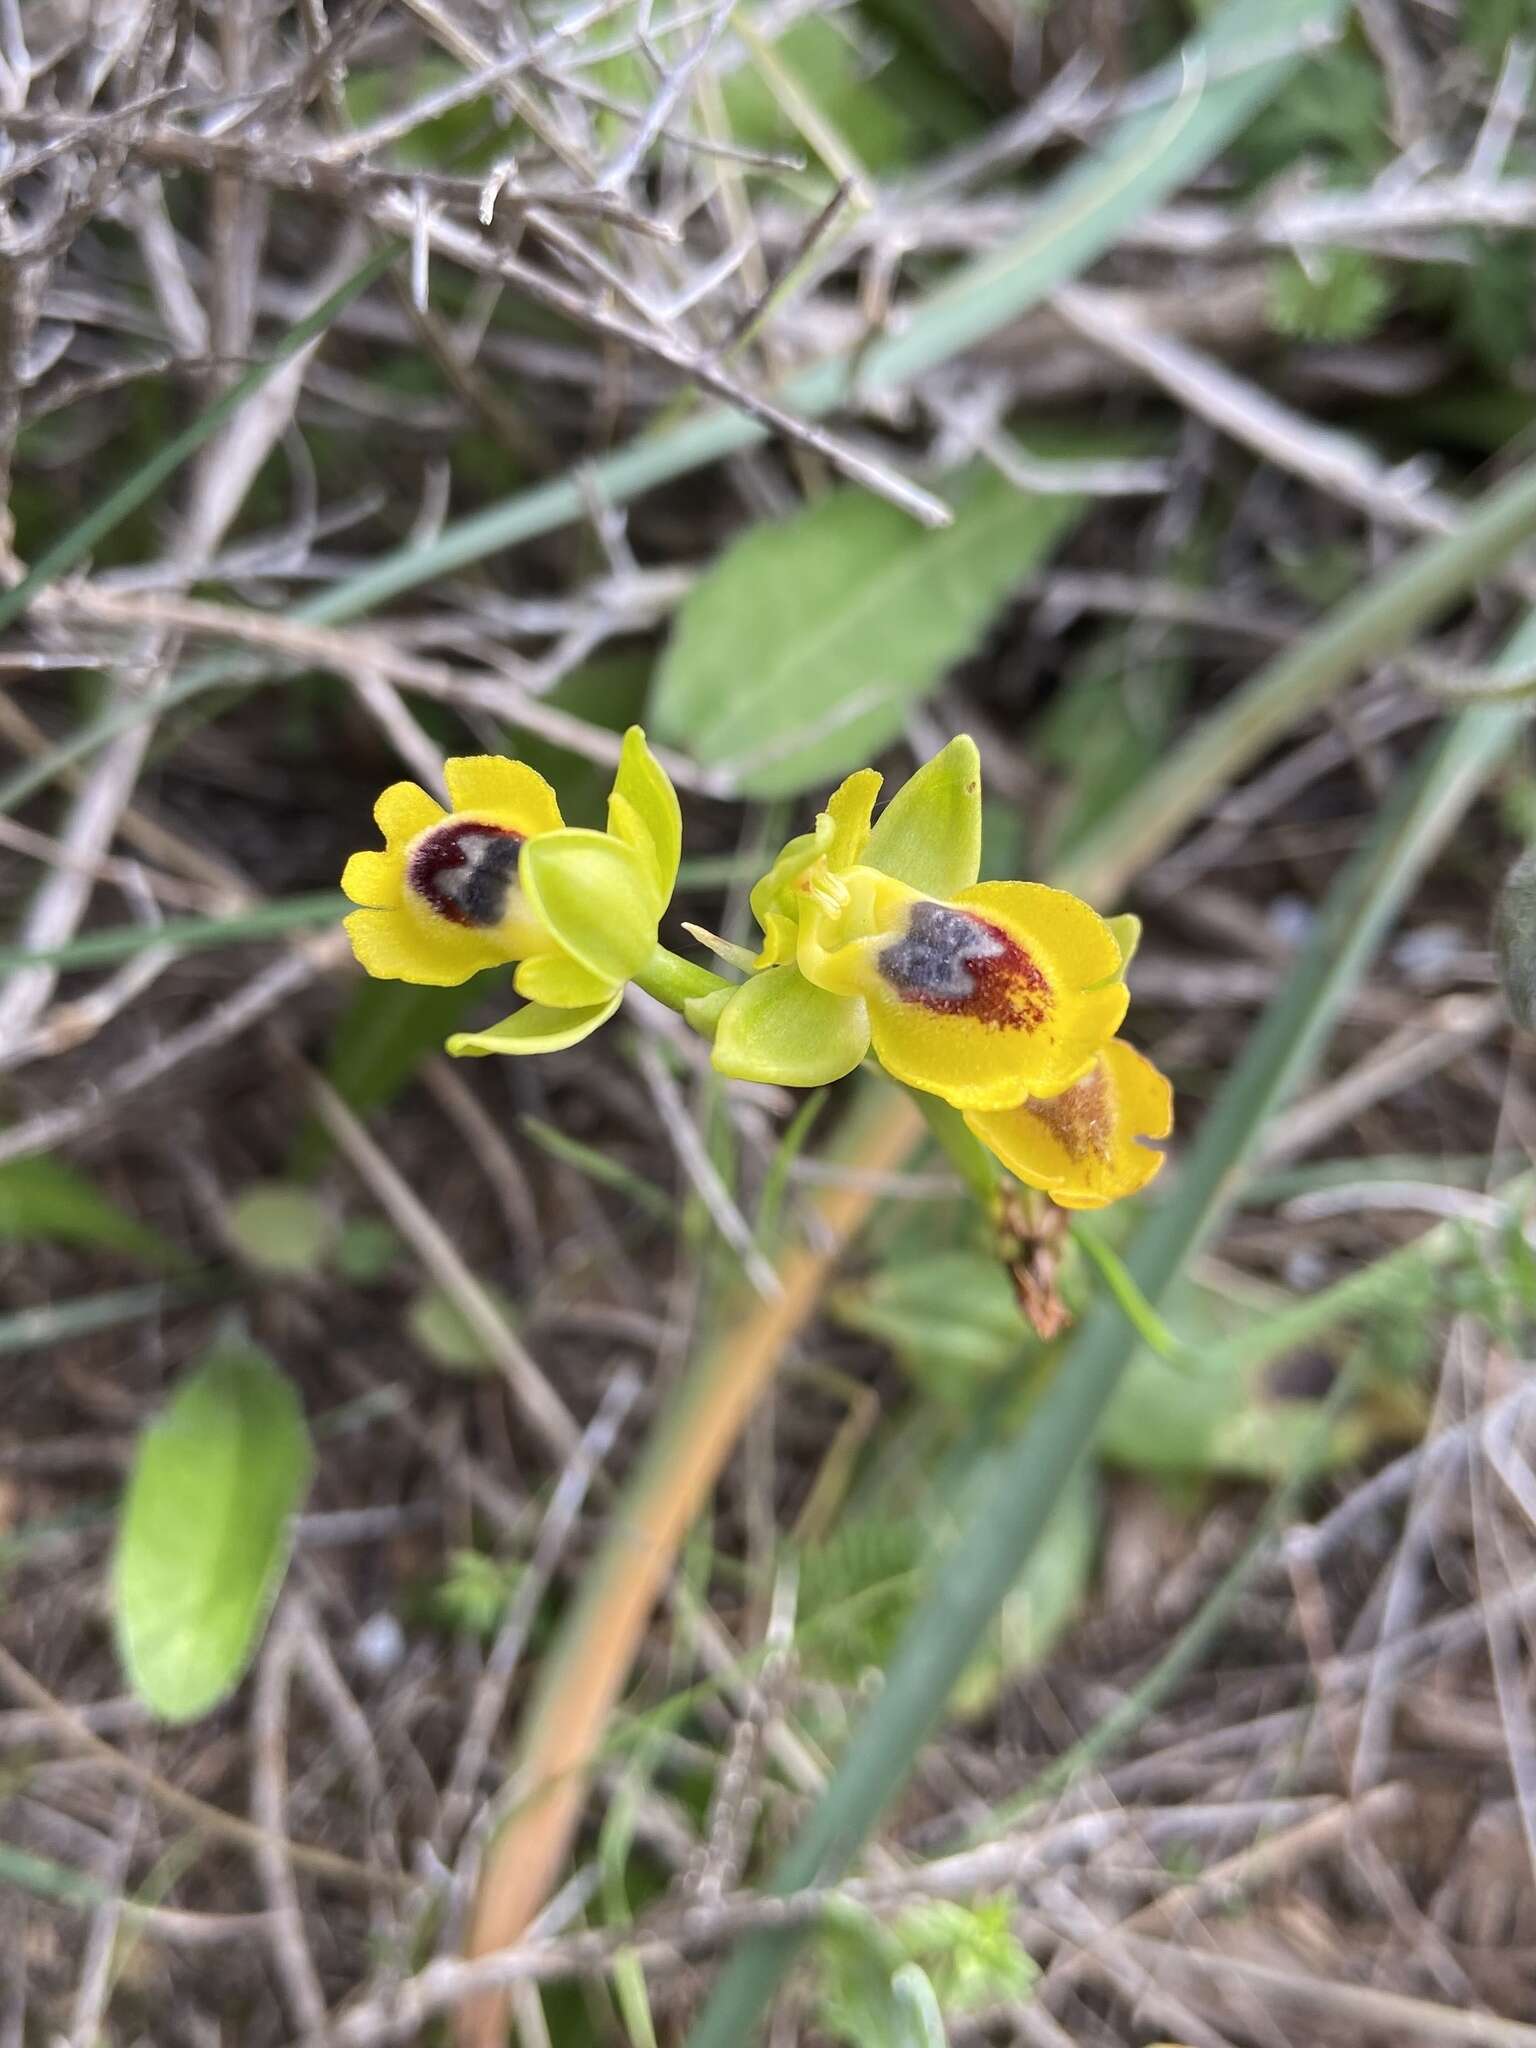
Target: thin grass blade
{"x":186,"y":934}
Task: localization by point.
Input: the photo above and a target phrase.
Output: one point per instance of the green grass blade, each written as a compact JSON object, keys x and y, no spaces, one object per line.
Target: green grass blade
{"x":186,"y":934}
{"x":46,"y":1879}
{"x":74,"y":546}
{"x":33,"y":1329}
{"x":1246,"y":51}
{"x":649,"y":1199}
{"x":985,"y":1562}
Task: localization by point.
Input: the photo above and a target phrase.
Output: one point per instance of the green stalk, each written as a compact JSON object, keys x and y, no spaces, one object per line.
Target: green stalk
{"x":984,"y":1563}
{"x":675,"y":981}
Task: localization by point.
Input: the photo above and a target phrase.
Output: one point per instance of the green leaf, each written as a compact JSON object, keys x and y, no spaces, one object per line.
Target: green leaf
{"x":1489,"y":27}
{"x":1336,"y":295}
{"x":448,"y":1338}
{"x":471,"y":1597}
{"x":365,"y":1250}
{"x":802,"y":651}
{"x":591,"y":891}
{"x":952,"y":1320}
{"x":857,"y":1960}
{"x":778,"y":1027}
{"x":836,"y":77}
{"x":1333,"y":109}
{"x":919,"y":2017}
{"x":929,"y":834}
{"x":281,"y":1229}
{"x":1493,"y":300}
{"x":204,"y":1536}
{"x":1212,"y":1416}
{"x":860,"y":1588}
{"x":43,"y":1201}
{"x":970,"y":1952}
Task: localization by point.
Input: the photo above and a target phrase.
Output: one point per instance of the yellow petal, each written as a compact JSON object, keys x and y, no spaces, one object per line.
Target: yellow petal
{"x":849,"y":808}
{"x":1003,"y":992}
{"x":773,"y":898}
{"x":534,"y":1029}
{"x":391,"y":945}
{"x":560,"y":983}
{"x":374,"y":879}
{"x":1084,"y":1148}
{"x":404,"y":810}
{"x":1057,"y":922}
{"x":509,"y":791}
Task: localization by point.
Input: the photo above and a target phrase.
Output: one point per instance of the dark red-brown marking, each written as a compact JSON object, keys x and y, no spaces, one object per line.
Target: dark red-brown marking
{"x":464,"y":869}
{"x":1081,"y":1118}
{"x":961,"y":965}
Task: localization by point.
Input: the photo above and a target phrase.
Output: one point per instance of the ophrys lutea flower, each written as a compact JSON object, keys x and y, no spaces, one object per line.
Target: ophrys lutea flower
{"x":500,"y":878}
{"x":877,"y":935}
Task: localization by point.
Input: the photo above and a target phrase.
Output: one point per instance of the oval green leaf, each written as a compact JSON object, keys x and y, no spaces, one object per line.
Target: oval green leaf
{"x":802,"y":651}
{"x":281,"y":1228}
{"x":204,"y":1536}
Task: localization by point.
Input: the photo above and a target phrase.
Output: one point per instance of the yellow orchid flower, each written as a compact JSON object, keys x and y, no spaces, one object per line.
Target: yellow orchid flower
{"x":501,"y":878}
{"x":1086,"y":1147}
{"x":442,"y":900}
{"x":878,"y":934}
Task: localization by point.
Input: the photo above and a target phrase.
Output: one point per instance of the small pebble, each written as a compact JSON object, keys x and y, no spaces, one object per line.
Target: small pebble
{"x":1290,"y":919}
{"x":1305,"y":1270}
{"x":379,"y":1644}
{"x":1428,"y":953}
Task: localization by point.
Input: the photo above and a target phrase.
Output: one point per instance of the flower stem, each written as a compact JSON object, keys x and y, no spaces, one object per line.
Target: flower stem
{"x":675,"y":981}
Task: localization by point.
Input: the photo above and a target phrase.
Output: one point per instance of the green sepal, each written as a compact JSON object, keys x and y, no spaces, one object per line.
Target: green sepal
{"x":779,"y":1027}
{"x":595,"y":896}
{"x":643,"y":798}
{"x":561,"y":982}
{"x":626,"y":824}
{"x":1126,"y":930}
{"x":929,"y":834}
{"x":534,"y":1028}
{"x":704,"y":1012}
